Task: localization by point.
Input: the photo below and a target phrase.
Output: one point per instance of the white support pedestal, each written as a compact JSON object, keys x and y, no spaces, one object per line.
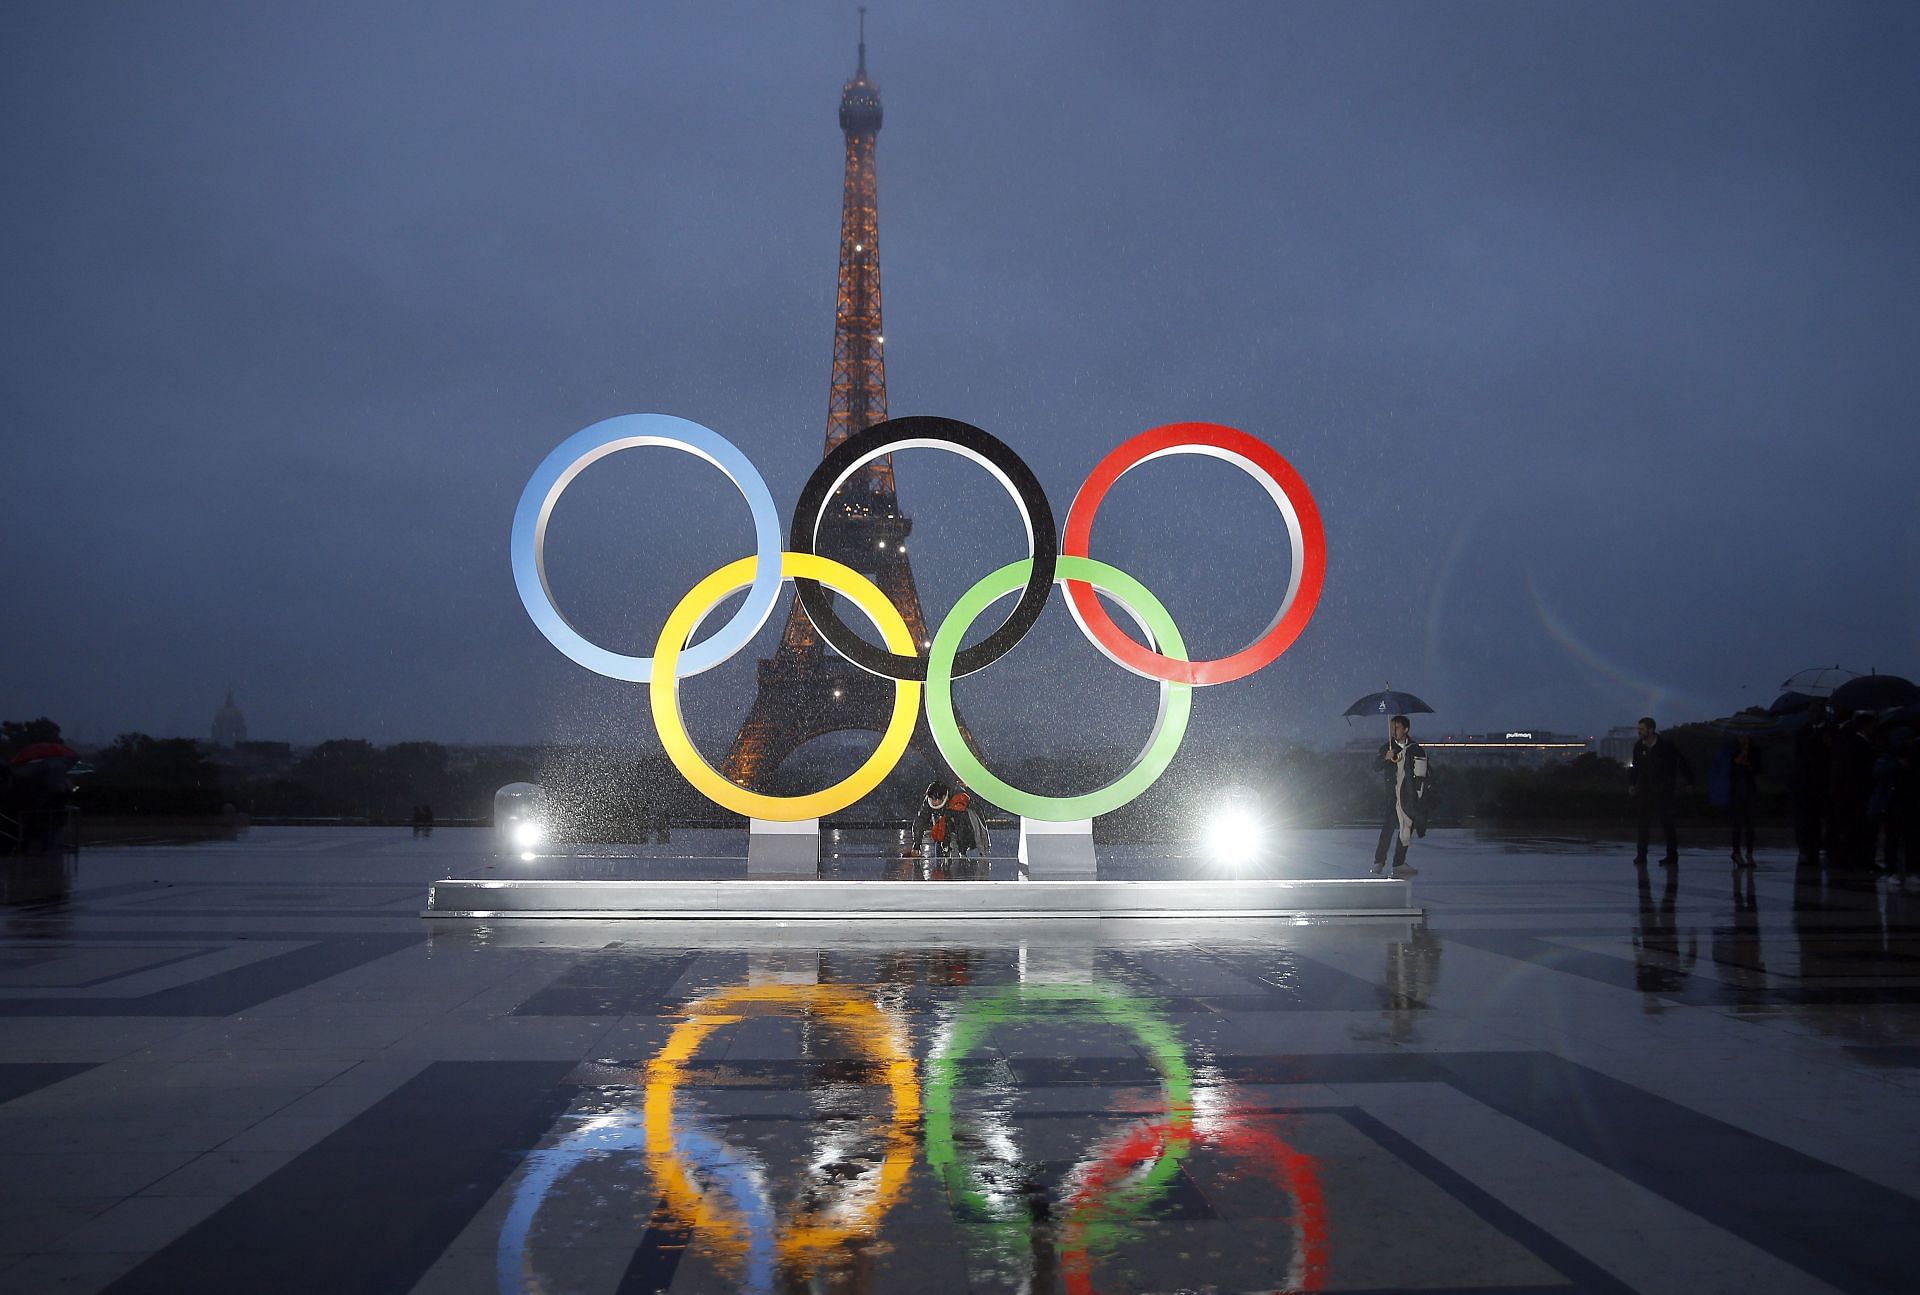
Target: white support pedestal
{"x":783,"y":849}
{"x":1057,"y":851}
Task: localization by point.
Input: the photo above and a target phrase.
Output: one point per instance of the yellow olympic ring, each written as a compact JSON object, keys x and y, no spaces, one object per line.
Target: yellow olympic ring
{"x":863,"y":1023}
{"x":665,"y":690}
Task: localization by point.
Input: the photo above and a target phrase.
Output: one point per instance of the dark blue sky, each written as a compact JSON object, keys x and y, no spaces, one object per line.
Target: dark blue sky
{"x":1592,"y":326}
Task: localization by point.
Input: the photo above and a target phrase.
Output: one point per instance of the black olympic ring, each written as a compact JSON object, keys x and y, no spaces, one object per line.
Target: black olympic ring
{"x":988,"y":451}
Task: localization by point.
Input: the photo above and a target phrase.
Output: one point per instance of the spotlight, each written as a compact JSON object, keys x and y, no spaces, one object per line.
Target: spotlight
{"x":1235,"y":834}
{"x":528,"y":833}
{"x":1237,"y":830}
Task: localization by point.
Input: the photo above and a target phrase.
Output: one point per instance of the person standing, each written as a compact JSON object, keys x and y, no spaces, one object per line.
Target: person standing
{"x":1852,"y":794}
{"x":1743,"y":794}
{"x":1812,"y":782}
{"x":1657,"y":765}
{"x":1403,"y":770}
{"x":1886,"y":783}
{"x":1903,"y":810}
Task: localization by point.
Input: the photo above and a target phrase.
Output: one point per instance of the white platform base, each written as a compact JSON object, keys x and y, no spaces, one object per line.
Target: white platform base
{"x":1058,"y":851}
{"x":783,"y":849}
{"x":855,"y":900}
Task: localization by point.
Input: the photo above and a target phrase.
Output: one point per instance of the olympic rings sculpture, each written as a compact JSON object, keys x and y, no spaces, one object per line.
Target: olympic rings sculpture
{"x":1054,"y":557}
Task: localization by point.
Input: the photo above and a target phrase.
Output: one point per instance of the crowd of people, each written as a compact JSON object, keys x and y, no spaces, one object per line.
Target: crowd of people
{"x":1856,"y":794}
{"x":1854,"y":785}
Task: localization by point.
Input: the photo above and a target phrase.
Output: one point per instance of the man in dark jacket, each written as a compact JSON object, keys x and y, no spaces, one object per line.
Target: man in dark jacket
{"x":1812,"y":782}
{"x":1403,"y":769}
{"x":1657,"y":766}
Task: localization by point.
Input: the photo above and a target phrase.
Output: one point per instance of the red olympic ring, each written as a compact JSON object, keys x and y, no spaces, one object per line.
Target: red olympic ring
{"x":1288,"y":491}
{"x":1293,"y":1170}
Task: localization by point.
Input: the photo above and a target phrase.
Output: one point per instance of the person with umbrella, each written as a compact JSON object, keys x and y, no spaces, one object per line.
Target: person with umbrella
{"x":1657,"y":765}
{"x":1403,"y":768}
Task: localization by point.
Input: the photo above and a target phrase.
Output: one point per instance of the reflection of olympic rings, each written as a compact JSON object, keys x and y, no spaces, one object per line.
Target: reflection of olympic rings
{"x":1089,"y":1226}
{"x":975,"y":1194}
{"x":864,"y":1024}
{"x":604,"y":1136}
{"x":1117,"y":1184}
{"x":991,"y":453}
{"x":1164,"y":659}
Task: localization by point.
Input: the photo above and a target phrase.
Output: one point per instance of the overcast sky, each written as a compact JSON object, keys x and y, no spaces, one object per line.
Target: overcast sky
{"x":1592,"y":326}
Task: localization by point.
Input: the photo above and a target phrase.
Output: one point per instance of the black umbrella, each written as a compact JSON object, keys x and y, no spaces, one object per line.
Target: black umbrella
{"x":1389,"y":703}
{"x":1874,"y":692}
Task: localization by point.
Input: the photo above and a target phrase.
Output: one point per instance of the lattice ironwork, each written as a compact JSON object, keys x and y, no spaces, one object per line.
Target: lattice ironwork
{"x":805,"y":690}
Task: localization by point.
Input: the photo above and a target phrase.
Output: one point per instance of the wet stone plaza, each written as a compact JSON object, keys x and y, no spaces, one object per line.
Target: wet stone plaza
{"x":254,"y":1067}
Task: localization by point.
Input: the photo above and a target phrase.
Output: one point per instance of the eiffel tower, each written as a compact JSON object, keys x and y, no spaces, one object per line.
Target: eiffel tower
{"x":805,"y":689}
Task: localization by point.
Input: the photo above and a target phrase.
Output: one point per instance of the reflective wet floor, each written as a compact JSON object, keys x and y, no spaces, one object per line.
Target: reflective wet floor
{"x":252,"y":1067}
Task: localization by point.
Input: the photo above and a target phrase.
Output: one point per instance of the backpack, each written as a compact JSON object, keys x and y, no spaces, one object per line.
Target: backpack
{"x":970,"y":830}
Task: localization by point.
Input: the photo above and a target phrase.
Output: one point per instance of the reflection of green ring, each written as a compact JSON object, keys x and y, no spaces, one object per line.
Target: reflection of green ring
{"x":1169,"y":726}
{"x":979,"y":1018}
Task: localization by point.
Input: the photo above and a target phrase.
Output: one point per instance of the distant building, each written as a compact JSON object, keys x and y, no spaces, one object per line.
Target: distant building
{"x":1514,"y":748}
{"x":1617,"y":745}
{"x":229,"y":725}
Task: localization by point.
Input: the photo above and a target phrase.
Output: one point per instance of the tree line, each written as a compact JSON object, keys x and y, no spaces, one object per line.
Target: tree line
{"x":610,"y":793}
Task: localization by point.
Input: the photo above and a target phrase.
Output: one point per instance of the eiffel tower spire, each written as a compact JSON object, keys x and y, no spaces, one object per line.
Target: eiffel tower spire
{"x":805,"y":690}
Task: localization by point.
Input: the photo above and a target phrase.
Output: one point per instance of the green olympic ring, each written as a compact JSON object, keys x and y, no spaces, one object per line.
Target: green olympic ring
{"x":1169,"y":724}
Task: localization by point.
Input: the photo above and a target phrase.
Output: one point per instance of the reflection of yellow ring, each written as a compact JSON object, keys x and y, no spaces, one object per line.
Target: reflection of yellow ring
{"x":665,"y":690}
{"x":863,"y":1023}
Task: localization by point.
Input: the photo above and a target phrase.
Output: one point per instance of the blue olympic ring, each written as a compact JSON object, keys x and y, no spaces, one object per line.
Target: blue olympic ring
{"x":573,"y":456}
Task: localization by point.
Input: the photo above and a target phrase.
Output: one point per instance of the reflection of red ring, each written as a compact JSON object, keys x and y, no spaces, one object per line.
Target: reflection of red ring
{"x":1260,"y":461}
{"x":1293,"y":1170}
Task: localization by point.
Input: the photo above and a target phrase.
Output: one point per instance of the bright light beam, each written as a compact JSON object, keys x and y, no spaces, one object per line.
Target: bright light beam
{"x":1236,"y":834}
